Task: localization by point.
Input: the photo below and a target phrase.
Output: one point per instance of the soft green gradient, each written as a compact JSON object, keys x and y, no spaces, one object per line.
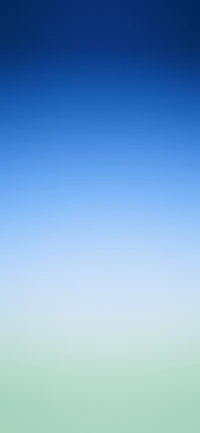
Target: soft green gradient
{"x":111,"y":390}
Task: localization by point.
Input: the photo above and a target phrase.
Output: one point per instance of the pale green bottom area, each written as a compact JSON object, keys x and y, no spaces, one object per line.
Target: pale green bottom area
{"x":116,"y":395}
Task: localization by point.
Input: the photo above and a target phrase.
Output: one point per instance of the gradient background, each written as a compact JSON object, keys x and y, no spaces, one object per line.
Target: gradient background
{"x":99,"y":221}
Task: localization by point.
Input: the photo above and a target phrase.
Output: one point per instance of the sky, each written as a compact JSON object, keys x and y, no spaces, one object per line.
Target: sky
{"x":99,"y":165}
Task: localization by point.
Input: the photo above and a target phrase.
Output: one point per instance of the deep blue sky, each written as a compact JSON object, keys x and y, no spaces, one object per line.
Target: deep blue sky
{"x":144,"y":28}
{"x":99,"y":149}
